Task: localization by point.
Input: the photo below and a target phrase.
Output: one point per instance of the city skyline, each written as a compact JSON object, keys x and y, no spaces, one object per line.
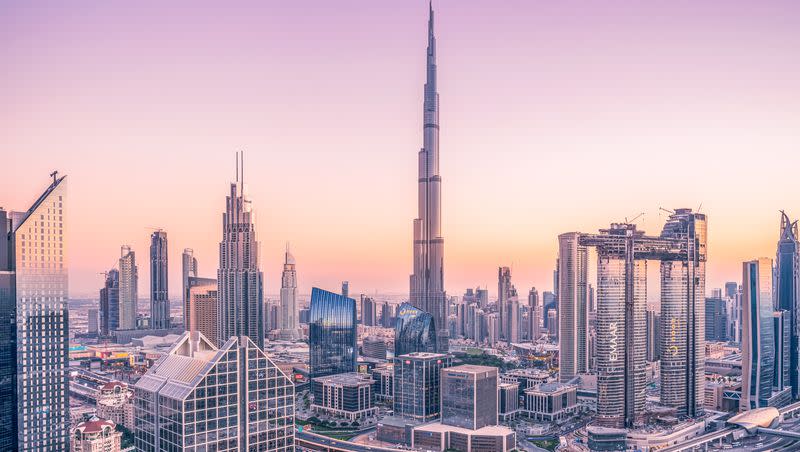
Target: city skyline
{"x":506,"y":142}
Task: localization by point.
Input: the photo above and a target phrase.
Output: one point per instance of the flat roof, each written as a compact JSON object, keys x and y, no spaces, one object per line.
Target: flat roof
{"x":346,"y":379}
{"x":423,"y":355}
{"x":489,"y":430}
{"x":471,"y":369}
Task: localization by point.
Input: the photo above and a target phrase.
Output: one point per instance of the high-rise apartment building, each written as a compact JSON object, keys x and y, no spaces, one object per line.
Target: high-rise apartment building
{"x":782,"y":336}
{"x":427,"y":280}
{"x":504,"y":288}
{"x":368,"y":311}
{"x":188,"y":269}
{"x":110,"y":303}
{"x":332,"y":332}
{"x":288,"y":316}
{"x":202,"y":307}
{"x":417,"y":378}
{"x":415,"y":331}
{"x":200,"y":397}
{"x":159,"y":281}
{"x":34,"y":332}
{"x":653,"y":330}
{"x":573,"y":306}
{"x":469,"y":396}
{"x":716,"y":319}
{"x":683,"y":289}
{"x":787,"y":291}
{"x":239,"y":278}
{"x":128,"y":289}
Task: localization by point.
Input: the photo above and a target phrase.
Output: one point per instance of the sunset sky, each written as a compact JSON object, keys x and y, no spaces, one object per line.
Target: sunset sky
{"x":555,"y":117}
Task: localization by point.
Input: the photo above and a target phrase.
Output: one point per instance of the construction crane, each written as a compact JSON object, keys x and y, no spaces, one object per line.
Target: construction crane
{"x":633,"y":219}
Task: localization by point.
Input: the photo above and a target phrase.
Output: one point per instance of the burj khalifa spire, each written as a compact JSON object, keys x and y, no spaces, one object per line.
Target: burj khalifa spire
{"x":427,"y":281}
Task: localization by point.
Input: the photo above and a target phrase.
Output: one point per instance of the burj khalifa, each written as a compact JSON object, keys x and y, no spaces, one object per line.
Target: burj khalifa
{"x":427,"y":281}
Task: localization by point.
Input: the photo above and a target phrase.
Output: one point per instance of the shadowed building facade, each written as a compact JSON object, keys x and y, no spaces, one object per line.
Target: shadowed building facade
{"x":415,"y":331}
{"x":332,"y":334}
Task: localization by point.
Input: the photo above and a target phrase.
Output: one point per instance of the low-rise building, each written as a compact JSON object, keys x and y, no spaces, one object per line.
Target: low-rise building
{"x":439,"y":437}
{"x":551,"y":401}
{"x":347,"y":395}
{"x":96,"y":435}
{"x":115,"y":402}
{"x":508,"y":401}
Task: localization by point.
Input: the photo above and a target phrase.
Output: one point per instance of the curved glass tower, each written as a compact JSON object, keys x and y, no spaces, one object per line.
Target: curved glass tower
{"x":787,"y":290}
{"x":331,"y":333}
{"x":415,"y":331}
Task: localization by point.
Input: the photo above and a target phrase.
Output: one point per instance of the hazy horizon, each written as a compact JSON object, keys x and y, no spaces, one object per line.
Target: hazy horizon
{"x":554,"y":118}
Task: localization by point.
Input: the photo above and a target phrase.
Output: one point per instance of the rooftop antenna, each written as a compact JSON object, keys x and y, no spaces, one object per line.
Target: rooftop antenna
{"x":237,"y":166}
{"x":700,"y":207}
{"x":242,"y":157}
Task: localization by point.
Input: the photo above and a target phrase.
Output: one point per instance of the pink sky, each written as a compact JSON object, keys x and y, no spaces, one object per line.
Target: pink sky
{"x":556,"y":116}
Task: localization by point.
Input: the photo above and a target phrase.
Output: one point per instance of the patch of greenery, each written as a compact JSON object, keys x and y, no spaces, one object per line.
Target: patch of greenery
{"x":549,"y":444}
{"x":127,"y":436}
{"x":484,"y":359}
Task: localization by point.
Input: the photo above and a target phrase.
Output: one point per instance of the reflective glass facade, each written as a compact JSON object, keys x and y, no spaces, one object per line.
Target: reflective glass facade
{"x":159,"y":277}
{"x":469,"y":396}
{"x":414,"y":331}
{"x":8,"y":338}
{"x":109,"y":303}
{"x":787,"y":275}
{"x":417,"y":385}
{"x":572,"y":306}
{"x":332,"y":334}
{"x":758,"y":341}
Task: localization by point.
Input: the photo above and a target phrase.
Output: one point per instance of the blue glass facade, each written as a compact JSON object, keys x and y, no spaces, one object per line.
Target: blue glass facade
{"x":788,"y":292}
{"x":332,"y":334}
{"x":414,"y":331}
{"x":109,"y":303}
{"x":8,"y":341}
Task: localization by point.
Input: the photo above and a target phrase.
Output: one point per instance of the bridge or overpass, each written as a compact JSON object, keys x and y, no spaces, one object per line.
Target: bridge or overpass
{"x":307,"y":441}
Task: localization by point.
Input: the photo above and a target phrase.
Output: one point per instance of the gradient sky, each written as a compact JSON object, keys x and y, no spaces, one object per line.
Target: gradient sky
{"x":556,"y":116}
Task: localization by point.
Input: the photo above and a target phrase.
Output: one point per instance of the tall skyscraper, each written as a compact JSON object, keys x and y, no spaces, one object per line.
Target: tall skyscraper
{"x":716,"y":319}
{"x":34,"y":334}
{"x":653,"y":335}
{"x":240,"y":281}
{"x":534,"y":314}
{"x":201,"y":310}
{"x":128,"y":289}
{"x":787,"y":292}
{"x":200,"y":397}
{"x":427,"y":281}
{"x":503,"y":294}
{"x":369,"y":311}
{"x":572,"y":306}
{"x":332,"y":333}
{"x":415,"y":331}
{"x":758,"y":352}
{"x":109,"y":303}
{"x":781,"y":334}
{"x":188,"y":269}
{"x":288,"y":321}
{"x":159,"y":281}
{"x":683,"y":289}
{"x":417,"y":388}
{"x":346,"y":289}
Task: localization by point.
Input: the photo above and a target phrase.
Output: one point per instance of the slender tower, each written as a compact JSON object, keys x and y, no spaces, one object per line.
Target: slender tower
{"x":427,"y":281}
{"x":288,"y":320}
{"x":159,"y":277}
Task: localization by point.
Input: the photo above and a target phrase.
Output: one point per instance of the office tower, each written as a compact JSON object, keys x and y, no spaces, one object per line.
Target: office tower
{"x":288,"y":317}
{"x":482,"y":296}
{"x":200,"y":397}
{"x":427,"y":281}
{"x":34,"y":332}
{"x":782,"y":336}
{"x":683,"y":279}
{"x":373,"y":347}
{"x":188,"y":269}
{"x":110,"y":303}
{"x":416,"y":385}
{"x":758,"y":353}
{"x":469,"y":396}
{"x":202,"y":307}
{"x":415,"y":331}
{"x":549,"y":301}
{"x":787,"y":282}
{"x":731,"y":289}
{"x":493,"y":328}
{"x":512,"y":333}
{"x":159,"y":281}
{"x":386,"y":315}
{"x":716,"y":313}
{"x":653,"y":329}
{"x":332,"y":334}
{"x":572,"y":306}
{"x":92,"y":321}
{"x":346,"y":289}
{"x":128,"y":289}
{"x":469,"y":296}
{"x":552,"y":321}
{"x":503,"y":294}
{"x":239,"y":278}
{"x":368,"y":311}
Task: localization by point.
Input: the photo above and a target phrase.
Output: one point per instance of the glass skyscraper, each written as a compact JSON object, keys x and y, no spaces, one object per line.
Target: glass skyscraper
{"x":573,"y":306}
{"x":758,"y":348}
{"x":417,"y":388}
{"x":787,"y":283}
{"x":415,"y":331}
{"x":332,"y":334}
{"x":34,"y":336}
{"x":128,"y":289}
{"x":159,"y":279}
{"x":109,"y":303}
